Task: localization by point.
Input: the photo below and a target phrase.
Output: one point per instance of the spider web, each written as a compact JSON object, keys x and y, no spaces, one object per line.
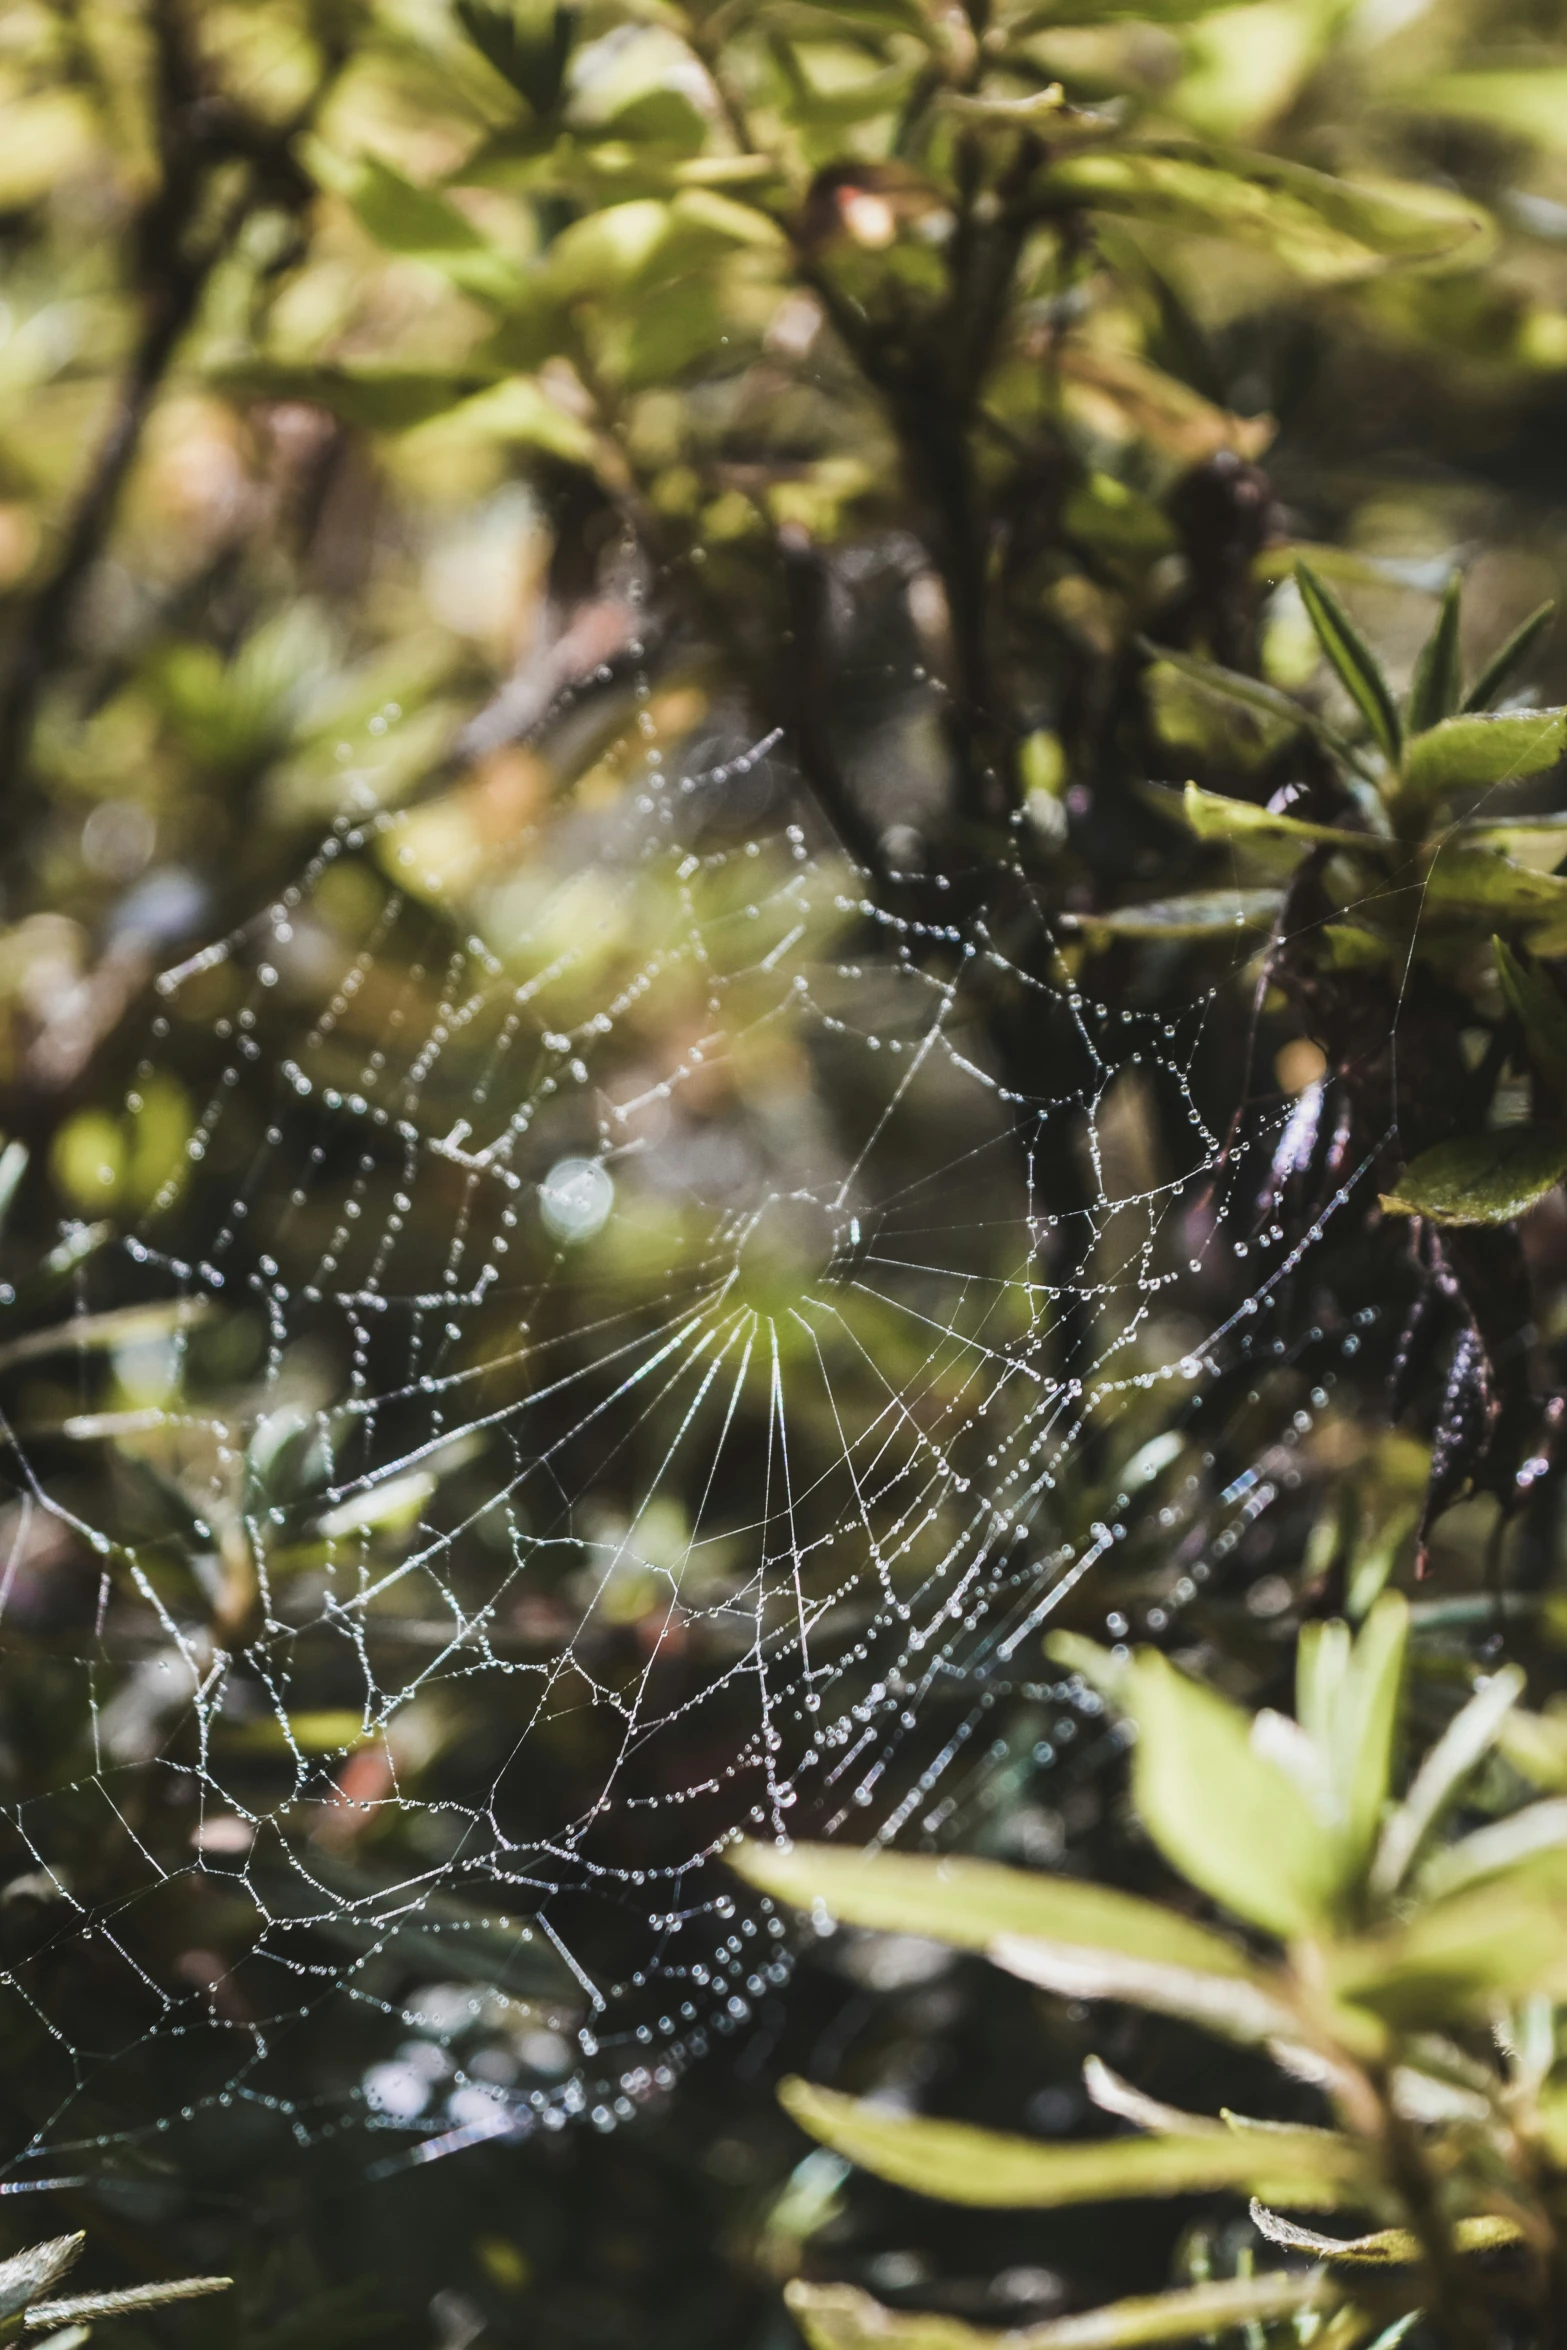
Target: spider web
{"x":588,"y":1388}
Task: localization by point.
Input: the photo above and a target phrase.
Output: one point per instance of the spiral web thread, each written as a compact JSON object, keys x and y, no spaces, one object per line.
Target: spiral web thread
{"x":656,"y":1423}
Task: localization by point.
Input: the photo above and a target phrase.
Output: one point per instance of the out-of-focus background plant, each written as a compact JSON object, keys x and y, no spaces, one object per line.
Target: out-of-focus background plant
{"x":1010,"y":417}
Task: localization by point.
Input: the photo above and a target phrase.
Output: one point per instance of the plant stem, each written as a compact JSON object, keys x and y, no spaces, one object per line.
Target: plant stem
{"x":1455,"y":2309}
{"x":173,"y":276}
{"x":199,"y":135}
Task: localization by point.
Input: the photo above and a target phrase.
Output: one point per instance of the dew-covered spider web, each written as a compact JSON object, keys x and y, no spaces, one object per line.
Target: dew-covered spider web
{"x":649,"y":1366}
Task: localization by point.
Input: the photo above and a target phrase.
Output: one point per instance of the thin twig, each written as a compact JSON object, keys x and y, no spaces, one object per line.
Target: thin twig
{"x":805,"y":575}
{"x":172,"y":265}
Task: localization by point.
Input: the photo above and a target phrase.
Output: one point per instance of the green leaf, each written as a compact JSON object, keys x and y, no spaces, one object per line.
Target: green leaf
{"x":1535,"y":1836}
{"x":1482,"y":1178}
{"x":1102,"y":1668}
{"x":528,"y":42}
{"x":133,"y":2297}
{"x":522,"y":413}
{"x":67,"y":2338}
{"x":1212,"y":817}
{"x":1462,"y":1747}
{"x":1437,"y":685}
{"x":403,"y":217}
{"x":1538,"y":841}
{"x":1236,"y":2009}
{"x":419,"y":223}
{"x":1113,"y":2095}
{"x":1473,"y":884}
{"x":1346,"y":947}
{"x":1540,"y":1012}
{"x":641,"y":86}
{"x":841,"y":2317}
{"x":1230,"y":1819}
{"x":958,"y":2164}
{"x":1493,"y":678}
{"x":646,"y":243}
{"x":1369,"y":1719}
{"x":1476,"y":751}
{"x":1093,"y":12}
{"x":1204,"y":913}
{"x":1083,"y":1941}
{"x":27,"y":2274}
{"x":116,"y":1326}
{"x":13,"y":1166}
{"x":1354,"y":662}
{"x":379,"y":399}
{"x":1392,"y":2336}
{"x":672,"y":335}
{"x":1449,"y":1964}
{"x":1348,"y":1704}
{"x":971,"y":1903}
{"x":859,"y":100}
{"x":1191,"y":715}
{"x":1327,"y":230}
{"x":1230,"y":688}
{"x":516,"y":157}
{"x":1529,"y":102}
{"x":1322,"y":1663}
{"x":824,"y":19}
{"x":1536,"y":1746}
{"x":1272,"y":716}
{"x":1389,"y":2247}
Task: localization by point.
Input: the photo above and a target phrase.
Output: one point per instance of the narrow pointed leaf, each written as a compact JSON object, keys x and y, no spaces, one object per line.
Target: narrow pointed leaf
{"x":1368,"y":1723}
{"x":1266,"y":702}
{"x":1482,"y":1178}
{"x":1536,"y":1746}
{"x":958,"y":2164}
{"x":1328,"y":230}
{"x":1113,"y":2095}
{"x":1232,"y":1821}
{"x":1390,"y":2337}
{"x":1213,"y":817}
{"x":841,"y":2317}
{"x":376,"y":399}
{"x":420,"y":223}
{"x":1505,"y":663}
{"x":970,"y":1903}
{"x":1388,"y":2247}
{"x":1540,"y":1013}
{"x":1462,"y":1747}
{"x":87,"y":2305}
{"x":1208,"y":913}
{"x":1537,"y":1835}
{"x":1540,"y":841}
{"x":1476,"y":751}
{"x":1471,"y":885}
{"x":1356,"y":665}
{"x":1437,"y":685}
{"x":13,"y":1166}
{"x":1102,"y":1668}
{"x":1501,"y":1940}
{"x":116,"y":1326}
{"x":1524,"y":101}
{"x":27,"y":2274}
{"x":1236,"y":2008}
{"x":1322,"y":1663}
{"x":528,"y":47}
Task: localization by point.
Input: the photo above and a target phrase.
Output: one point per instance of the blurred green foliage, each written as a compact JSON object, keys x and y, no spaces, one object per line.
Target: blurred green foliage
{"x":1407,"y":1952}
{"x":1063,"y":427}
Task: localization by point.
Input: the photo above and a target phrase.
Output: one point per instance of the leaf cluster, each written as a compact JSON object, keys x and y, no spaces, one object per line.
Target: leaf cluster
{"x":1414,"y":1977}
